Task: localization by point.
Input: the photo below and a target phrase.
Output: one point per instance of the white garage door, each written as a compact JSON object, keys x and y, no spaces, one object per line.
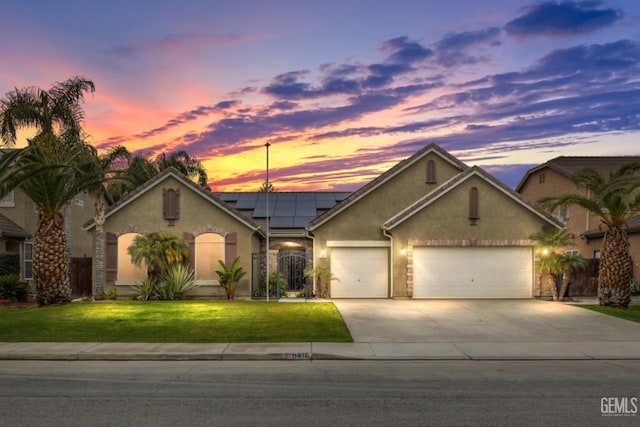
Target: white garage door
{"x":363,"y":272}
{"x":478,"y":272}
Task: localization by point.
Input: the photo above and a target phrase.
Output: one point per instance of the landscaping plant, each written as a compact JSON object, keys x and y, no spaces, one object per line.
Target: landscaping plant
{"x":229,"y":276}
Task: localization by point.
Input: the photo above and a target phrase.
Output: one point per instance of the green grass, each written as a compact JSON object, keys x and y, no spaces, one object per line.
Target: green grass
{"x":632,"y":313}
{"x":175,"y":321}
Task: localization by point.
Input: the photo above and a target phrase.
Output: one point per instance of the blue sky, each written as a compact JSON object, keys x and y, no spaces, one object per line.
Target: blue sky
{"x":342,"y":90}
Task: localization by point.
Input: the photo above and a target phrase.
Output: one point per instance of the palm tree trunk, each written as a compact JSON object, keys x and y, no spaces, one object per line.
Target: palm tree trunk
{"x":50,"y":268}
{"x":99,"y":248}
{"x":566,"y":278}
{"x":551,"y":283}
{"x":616,"y":271}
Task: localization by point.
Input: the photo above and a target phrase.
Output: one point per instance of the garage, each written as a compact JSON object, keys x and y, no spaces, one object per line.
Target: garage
{"x":363,"y":272}
{"x":472,"y":272}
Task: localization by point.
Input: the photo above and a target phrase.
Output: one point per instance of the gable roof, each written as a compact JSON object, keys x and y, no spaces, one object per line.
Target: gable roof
{"x":9,"y":228}
{"x":171,"y":172}
{"x":456,"y":181}
{"x":386,"y":176}
{"x":570,"y":165}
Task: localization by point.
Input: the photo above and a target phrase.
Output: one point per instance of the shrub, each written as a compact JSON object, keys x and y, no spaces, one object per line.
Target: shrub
{"x":9,"y":263}
{"x":275,"y":279}
{"x":229,"y":276}
{"x":177,"y":281}
{"x":13,"y":288}
{"x":145,"y":290}
{"x":110,"y":294}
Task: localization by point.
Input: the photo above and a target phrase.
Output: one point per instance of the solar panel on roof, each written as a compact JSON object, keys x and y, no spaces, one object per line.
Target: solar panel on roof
{"x":302,"y":221}
{"x":306,"y":208}
{"x":285,"y":197}
{"x":281,"y":222}
{"x":325,"y":204}
{"x":246,"y":201}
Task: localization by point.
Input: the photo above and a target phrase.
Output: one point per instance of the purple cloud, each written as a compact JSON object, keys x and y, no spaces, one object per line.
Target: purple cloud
{"x":561,"y":19}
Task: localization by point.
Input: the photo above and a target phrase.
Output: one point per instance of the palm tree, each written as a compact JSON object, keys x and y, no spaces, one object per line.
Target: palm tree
{"x":158,"y":250}
{"x":551,"y":263}
{"x":51,"y":171}
{"x":103,"y":165}
{"x":187,"y":165}
{"x":47,"y":111}
{"x":615,"y":200}
{"x":569,"y":262}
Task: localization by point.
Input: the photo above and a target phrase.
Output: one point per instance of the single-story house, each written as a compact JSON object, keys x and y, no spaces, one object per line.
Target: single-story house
{"x":430,"y":227}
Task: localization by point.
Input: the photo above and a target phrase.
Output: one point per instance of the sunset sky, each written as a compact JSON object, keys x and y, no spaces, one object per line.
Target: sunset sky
{"x":342,"y":89}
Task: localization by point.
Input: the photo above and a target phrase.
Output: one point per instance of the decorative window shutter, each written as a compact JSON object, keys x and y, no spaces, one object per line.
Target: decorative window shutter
{"x":474,"y":212}
{"x":431,"y":172}
{"x":171,"y":204}
{"x":230,"y":247}
{"x":111,"y":264}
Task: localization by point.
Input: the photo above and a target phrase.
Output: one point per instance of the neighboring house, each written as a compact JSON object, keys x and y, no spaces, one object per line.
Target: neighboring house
{"x":430,"y":227}
{"x":17,"y":208}
{"x":171,"y":202}
{"x":554,"y":178}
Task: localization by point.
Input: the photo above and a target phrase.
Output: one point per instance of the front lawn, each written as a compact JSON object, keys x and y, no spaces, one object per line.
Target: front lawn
{"x":175,"y":321}
{"x":632,"y":313}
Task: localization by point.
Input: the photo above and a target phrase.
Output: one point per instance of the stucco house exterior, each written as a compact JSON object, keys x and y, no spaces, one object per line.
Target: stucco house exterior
{"x":172,"y":203}
{"x":555,"y":178}
{"x":18,"y":217}
{"x":430,"y":227}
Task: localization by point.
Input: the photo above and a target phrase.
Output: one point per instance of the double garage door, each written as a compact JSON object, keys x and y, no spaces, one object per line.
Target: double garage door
{"x":438,"y":272}
{"x":473,"y":272}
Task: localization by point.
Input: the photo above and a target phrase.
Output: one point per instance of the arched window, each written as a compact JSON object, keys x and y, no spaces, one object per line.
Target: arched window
{"x":431,"y":172}
{"x":127,"y":270}
{"x":474,"y":212}
{"x":209,"y":248}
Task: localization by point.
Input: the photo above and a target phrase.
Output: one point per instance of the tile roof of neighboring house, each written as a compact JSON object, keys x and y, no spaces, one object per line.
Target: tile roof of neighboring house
{"x":632,"y":227}
{"x":9,"y":228}
{"x":569,"y":165}
{"x":172,"y":172}
{"x":287,"y":210}
{"x":384,"y":178}
{"x":454,"y":182}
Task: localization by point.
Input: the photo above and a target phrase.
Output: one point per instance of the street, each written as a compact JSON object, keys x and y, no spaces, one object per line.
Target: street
{"x":331,"y":393}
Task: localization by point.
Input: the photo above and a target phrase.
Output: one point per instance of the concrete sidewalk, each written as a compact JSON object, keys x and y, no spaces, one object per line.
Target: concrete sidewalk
{"x":546,"y":350}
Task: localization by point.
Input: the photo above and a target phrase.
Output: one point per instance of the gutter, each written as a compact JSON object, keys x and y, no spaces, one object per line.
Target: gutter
{"x":386,"y":234}
{"x":313,"y":239}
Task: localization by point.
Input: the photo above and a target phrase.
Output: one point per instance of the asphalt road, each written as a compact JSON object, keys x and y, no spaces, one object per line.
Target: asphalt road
{"x":322,"y":393}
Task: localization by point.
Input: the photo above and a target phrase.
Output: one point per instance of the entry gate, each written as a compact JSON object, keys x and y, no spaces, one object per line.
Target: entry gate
{"x":289,"y":269}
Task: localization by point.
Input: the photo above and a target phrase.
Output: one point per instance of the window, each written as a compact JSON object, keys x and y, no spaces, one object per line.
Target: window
{"x":127,"y":270}
{"x":8,"y":200}
{"x":431,"y":172}
{"x":596,"y":254}
{"x":563,"y":213}
{"x":171,"y":204}
{"x":28,"y":260}
{"x":209,"y":248}
{"x":572,"y":252}
{"x":474,"y":213}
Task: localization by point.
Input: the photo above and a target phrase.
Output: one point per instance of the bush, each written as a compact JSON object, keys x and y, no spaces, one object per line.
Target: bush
{"x":13,"y":288}
{"x":145,"y":289}
{"x":110,"y":294}
{"x":177,"y":281}
{"x":9,"y":263}
{"x":275,"y":279}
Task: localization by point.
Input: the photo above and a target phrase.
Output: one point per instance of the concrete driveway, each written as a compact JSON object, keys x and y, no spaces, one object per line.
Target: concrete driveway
{"x":477,"y":321}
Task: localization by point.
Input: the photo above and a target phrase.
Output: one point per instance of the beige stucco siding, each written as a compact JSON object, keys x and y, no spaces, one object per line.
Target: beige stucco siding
{"x":197,"y":215}
{"x":502,"y":222}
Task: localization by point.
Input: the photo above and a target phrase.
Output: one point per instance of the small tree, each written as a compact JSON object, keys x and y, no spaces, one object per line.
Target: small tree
{"x":229,"y":276}
{"x":323,"y":278}
{"x":158,"y":250}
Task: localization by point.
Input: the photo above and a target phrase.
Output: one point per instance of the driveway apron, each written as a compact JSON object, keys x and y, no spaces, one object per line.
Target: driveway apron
{"x":459,"y":321}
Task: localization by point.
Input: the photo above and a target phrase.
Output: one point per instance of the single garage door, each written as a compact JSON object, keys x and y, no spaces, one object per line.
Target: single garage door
{"x":478,"y":272}
{"x":363,"y":272}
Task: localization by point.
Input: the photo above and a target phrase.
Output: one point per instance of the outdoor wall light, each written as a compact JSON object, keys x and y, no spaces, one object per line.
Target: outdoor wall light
{"x":545,"y":252}
{"x":403,"y":252}
{"x":323,"y":253}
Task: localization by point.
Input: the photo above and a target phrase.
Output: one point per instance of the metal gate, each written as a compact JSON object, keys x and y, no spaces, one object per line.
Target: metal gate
{"x":291,"y":267}
{"x":287,"y":277}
